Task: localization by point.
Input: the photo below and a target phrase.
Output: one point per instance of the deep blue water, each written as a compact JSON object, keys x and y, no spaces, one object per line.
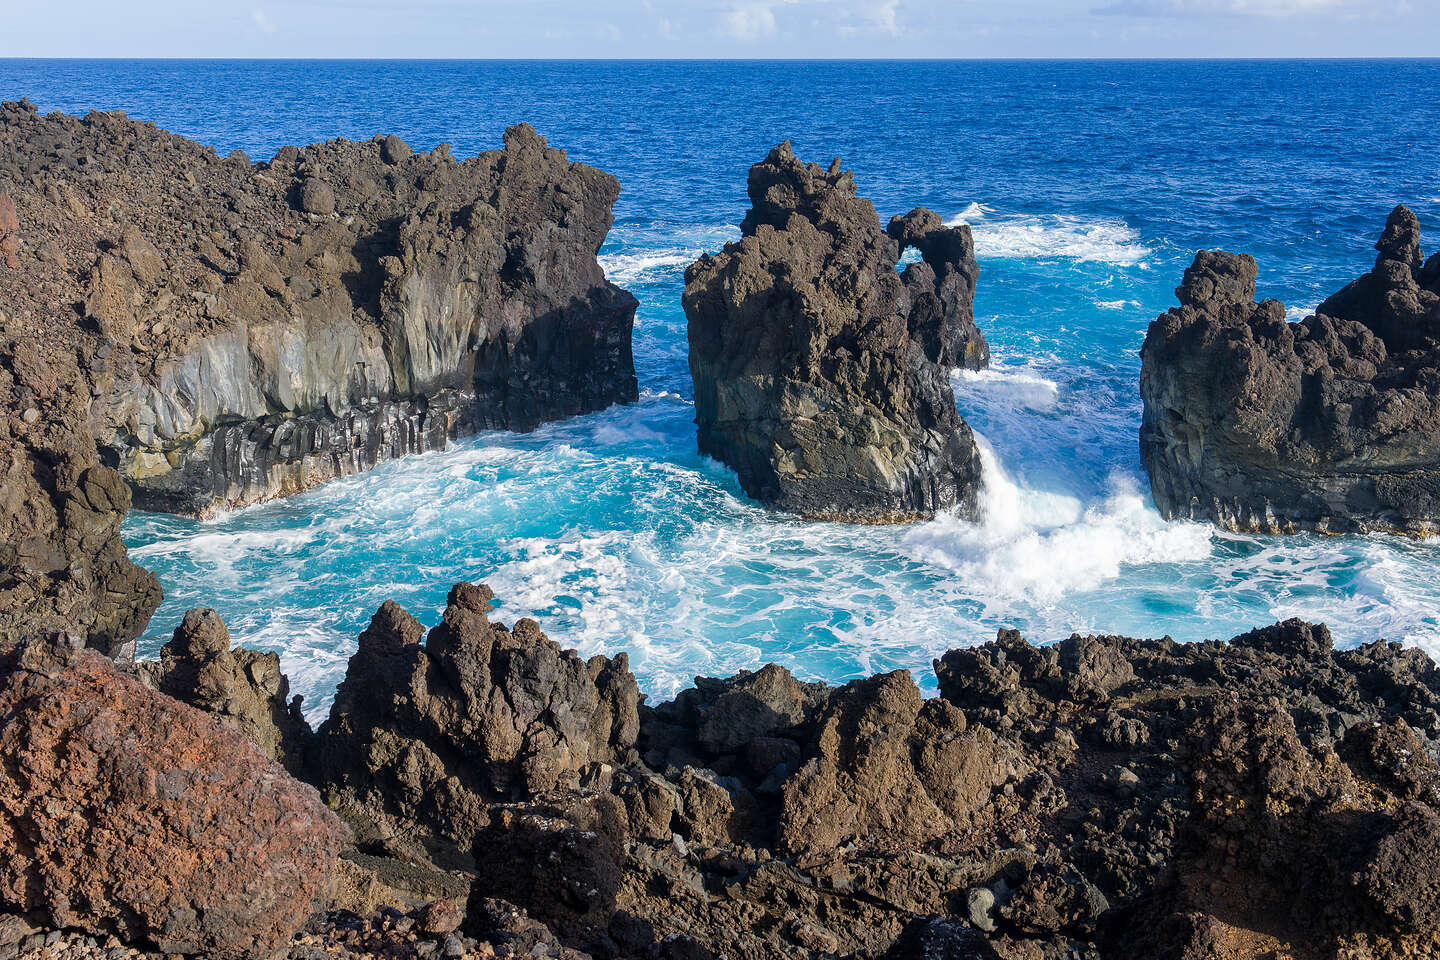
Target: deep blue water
{"x":1089,"y":186}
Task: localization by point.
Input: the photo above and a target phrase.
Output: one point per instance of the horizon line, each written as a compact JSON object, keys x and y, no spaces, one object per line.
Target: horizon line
{"x":1197,"y":59}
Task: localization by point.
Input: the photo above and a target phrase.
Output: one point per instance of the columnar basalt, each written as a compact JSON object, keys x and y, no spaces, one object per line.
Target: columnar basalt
{"x":221,"y":332}
{"x":1329,"y":424}
{"x":821,"y":373}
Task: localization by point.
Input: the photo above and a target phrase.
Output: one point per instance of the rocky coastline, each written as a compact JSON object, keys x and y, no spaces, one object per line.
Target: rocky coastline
{"x":189,"y":333}
{"x":478,"y":790}
{"x":500,"y":796}
{"x":1331,"y":424}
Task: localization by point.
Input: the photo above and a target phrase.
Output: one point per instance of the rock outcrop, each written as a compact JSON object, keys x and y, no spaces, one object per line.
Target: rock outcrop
{"x":1045,"y":806}
{"x":244,"y":688}
{"x":125,"y":812}
{"x":1330,"y":424}
{"x":423,"y":736}
{"x":1102,"y":797}
{"x":221,"y":332}
{"x":821,"y":373}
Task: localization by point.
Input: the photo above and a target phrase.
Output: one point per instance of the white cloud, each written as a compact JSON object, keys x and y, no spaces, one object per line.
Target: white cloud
{"x":750,"y":22}
{"x":1244,"y":8}
{"x":262,"y":21}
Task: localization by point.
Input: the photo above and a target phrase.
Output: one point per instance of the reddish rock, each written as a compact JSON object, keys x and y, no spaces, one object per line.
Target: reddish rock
{"x":123,"y":811}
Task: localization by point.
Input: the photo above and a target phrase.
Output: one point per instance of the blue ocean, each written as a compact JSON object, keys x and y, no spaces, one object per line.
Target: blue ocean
{"x":1089,"y":186}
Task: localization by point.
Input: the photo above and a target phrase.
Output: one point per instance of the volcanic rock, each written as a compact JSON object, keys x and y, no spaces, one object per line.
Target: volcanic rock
{"x":125,"y":812}
{"x":1330,"y":424}
{"x":821,"y":373}
{"x":244,"y":688}
{"x":422,"y":736}
{"x":180,"y":318}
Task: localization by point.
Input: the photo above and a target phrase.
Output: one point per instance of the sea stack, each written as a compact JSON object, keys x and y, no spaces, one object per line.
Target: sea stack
{"x":195,"y":332}
{"x":1330,"y":424}
{"x":821,"y":372}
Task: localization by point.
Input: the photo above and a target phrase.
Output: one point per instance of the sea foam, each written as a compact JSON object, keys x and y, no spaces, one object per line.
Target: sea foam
{"x":1052,"y":236}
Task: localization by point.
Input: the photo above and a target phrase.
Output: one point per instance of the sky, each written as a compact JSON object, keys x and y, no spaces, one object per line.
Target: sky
{"x":719,"y":28}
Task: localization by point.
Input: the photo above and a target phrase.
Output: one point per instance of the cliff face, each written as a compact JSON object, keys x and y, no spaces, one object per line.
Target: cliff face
{"x":1329,"y":424}
{"x":821,"y":373}
{"x":221,"y":333}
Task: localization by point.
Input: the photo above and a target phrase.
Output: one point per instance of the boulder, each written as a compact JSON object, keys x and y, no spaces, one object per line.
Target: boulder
{"x":1329,"y":424}
{"x":821,"y":373}
{"x":125,"y":812}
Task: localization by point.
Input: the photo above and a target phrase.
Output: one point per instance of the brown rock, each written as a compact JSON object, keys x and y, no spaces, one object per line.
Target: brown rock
{"x":125,"y":812}
{"x":244,"y":688}
{"x":422,"y":737}
{"x":316,"y":197}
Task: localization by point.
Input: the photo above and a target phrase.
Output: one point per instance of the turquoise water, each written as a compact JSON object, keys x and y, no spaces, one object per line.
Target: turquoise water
{"x":1088,"y":185}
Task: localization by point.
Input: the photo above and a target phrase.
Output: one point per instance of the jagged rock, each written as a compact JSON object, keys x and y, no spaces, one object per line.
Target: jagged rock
{"x":219,"y":346}
{"x":887,"y":763}
{"x":821,"y":374}
{"x":423,"y":736}
{"x":123,"y":811}
{"x":244,"y":688}
{"x":1043,"y":807}
{"x":1329,"y":424}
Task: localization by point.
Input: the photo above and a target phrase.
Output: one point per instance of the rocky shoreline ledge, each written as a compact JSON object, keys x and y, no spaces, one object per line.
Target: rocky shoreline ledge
{"x":191,"y":332}
{"x":1330,"y":424}
{"x":500,"y":796}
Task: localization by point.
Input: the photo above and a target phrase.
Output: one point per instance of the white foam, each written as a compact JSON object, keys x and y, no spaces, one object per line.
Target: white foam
{"x":1038,"y":547}
{"x":1052,"y":236}
{"x":1116,"y":304}
{"x":1016,"y":387}
{"x":623,"y":268}
{"x":1296,"y":314}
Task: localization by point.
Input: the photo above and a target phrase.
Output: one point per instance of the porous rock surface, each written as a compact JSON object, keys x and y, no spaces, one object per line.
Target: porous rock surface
{"x":428,"y":729}
{"x":244,"y":688}
{"x":211,"y":332}
{"x":1103,"y":797}
{"x":1329,"y":424}
{"x":125,"y":812}
{"x":821,"y":373}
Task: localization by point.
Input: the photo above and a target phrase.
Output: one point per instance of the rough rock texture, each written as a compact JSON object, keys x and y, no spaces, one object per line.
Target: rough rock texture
{"x":422,"y":736}
{"x":244,"y":688}
{"x":123,"y":811}
{"x":1329,"y":424}
{"x":1044,"y":807}
{"x":821,"y":374}
{"x":222,"y":332}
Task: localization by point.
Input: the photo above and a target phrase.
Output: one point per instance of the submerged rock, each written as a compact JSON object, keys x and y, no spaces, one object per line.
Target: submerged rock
{"x":1330,"y":424}
{"x":221,"y":333}
{"x":821,"y":374}
{"x":125,"y":812}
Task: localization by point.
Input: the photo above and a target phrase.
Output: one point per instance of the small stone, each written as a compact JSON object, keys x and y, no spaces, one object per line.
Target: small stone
{"x":394,"y":150}
{"x":316,"y":197}
{"x":979,"y":904}
{"x":30,"y":415}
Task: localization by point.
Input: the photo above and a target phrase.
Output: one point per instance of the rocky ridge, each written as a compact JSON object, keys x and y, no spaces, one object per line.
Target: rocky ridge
{"x":1101,"y":797}
{"x":821,"y":373}
{"x":193,"y":332}
{"x":1329,"y":424}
